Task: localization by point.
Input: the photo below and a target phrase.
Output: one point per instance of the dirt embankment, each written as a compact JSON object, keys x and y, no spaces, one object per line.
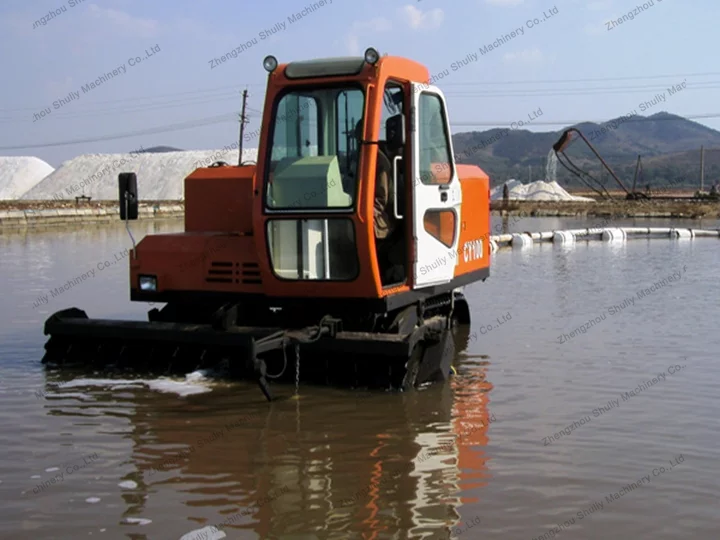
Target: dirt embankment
{"x":23,"y":214}
{"x":615,"y":208}
{"x":57,"y":205}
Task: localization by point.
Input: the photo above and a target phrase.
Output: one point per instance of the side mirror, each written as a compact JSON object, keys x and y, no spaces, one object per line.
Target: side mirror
{"x":128,"y":196}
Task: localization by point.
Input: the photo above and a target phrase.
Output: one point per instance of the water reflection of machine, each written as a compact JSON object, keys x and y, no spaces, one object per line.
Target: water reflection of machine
{"x":378,"y":465}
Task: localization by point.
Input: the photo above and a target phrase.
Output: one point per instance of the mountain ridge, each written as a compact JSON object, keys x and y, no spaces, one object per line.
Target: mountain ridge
{"x":669,"y":145}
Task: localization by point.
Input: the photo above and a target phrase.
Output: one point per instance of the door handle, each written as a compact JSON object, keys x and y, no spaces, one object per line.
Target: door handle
{"x":396,"y":159}
{"x":444,"y":187}
{"x":443,"y":196}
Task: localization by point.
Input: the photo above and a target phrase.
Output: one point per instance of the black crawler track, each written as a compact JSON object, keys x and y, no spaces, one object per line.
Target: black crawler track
{"x":407,"y":353}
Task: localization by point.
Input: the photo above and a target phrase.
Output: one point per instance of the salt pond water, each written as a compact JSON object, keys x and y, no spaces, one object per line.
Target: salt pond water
{"x":612,"y":433}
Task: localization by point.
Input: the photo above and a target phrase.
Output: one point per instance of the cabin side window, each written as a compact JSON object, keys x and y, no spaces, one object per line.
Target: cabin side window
{"x":436,"y":165}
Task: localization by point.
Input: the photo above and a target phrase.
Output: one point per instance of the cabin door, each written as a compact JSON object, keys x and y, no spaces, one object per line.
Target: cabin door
{"x":436,"y":192}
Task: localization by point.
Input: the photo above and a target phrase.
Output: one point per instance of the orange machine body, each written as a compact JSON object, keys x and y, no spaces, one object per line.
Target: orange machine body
{"x":224,"y":247}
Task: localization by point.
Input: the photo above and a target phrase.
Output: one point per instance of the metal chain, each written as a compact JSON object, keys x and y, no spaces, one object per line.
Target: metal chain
{"x":297,"y":369}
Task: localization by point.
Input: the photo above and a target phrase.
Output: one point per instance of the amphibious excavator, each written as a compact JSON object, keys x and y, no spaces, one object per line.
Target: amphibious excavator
{"x":283,"y":258}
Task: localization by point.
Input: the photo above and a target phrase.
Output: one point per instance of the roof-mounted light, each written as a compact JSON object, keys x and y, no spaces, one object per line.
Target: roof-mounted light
{"x":270,"y":63}
{"x":372,"y":56}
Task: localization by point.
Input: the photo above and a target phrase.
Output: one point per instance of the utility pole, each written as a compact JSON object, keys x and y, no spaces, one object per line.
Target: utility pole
{"x":637,"y":172}
{"x":702,"y":168}
{"x":243,"y":121}
{"x":529,"y":174}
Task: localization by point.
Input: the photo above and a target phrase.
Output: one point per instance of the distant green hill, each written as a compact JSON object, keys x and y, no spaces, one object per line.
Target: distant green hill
{"x":669,"y":146}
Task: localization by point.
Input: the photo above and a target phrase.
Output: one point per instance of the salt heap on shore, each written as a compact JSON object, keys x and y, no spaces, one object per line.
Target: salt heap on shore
{"x":535,"y":191}
{"x":160,"y":175}
{"x":19,"y":174}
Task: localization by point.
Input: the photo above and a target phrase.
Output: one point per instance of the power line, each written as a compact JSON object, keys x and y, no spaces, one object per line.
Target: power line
{"x":703,"y":84}
{"x":124,"y":111}
{"x":599,"y":122}
{"x":598,"y":79}
{"x":477,"y":95}
{"x":200,"y":100}
{"x":232,"y":96}
{"x":233,"y":117}
{"x":145,"y":108}
{"x":234,"y":88}
{"x":228,"y":117}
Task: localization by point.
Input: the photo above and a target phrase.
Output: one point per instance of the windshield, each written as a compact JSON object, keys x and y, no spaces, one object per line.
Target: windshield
{"x":314,"y":150}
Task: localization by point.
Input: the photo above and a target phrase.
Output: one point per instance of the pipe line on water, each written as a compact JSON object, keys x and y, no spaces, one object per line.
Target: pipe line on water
{"x":617,"y":234}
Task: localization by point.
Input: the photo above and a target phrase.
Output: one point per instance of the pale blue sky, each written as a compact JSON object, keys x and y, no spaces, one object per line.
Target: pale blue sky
{"x":176,"y":85}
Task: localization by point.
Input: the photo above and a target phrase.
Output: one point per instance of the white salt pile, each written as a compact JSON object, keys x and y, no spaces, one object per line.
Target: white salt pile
{"x":160,"y":175}
{"x":20,"y":174}
{"x":535,"y":191}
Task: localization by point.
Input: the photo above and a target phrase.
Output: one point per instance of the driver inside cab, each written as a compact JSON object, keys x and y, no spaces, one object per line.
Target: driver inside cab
{"x":383,"y":219}
{"x":384,"y":223}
